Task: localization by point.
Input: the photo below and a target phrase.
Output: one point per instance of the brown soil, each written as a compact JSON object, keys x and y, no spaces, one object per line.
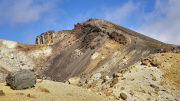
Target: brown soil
{"x":50,"y":91}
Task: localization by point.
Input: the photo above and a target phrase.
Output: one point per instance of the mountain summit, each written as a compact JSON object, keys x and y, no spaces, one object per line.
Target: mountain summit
{"x":91,"y":45}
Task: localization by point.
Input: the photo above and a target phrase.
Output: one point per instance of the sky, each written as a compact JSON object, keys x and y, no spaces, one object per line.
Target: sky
{"x":23,"y":20}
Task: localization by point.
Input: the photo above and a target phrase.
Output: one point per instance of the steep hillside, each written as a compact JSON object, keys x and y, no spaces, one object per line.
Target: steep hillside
{"x":101,"y":57}
{"x":155,"y":79}
{"x":90,"y":46}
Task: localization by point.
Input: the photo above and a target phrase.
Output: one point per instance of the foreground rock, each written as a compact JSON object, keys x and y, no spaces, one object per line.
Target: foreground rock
{"x":21,"y":79}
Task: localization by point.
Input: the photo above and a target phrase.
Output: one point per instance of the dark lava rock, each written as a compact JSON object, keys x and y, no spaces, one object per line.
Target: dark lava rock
{"x":123,"y":96}
{"x":21,"y":79}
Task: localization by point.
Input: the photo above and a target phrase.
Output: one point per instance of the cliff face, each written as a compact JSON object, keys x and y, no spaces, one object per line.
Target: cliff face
{"x":51,"y":37}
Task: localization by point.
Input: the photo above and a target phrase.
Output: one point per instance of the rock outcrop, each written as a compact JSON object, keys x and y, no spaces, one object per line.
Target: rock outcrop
{"x":51,"y":37}
{"x":21,"y":79}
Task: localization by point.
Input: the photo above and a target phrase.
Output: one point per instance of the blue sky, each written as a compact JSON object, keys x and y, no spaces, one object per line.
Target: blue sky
{"x":23,"y":20}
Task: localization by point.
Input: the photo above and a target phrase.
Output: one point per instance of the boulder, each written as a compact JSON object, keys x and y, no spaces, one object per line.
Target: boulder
{"x":21,"y":79}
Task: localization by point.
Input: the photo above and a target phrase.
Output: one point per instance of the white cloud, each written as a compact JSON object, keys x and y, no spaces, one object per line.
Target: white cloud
{"x":163,"y":23}
{"x":120,"y":14}
{"x":23,"y":11}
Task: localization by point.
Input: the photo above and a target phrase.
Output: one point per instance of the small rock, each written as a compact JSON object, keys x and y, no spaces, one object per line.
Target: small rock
{"x":74,"y":81}
{"x":23,"y":64}
{"x":2,"y":93}
{"x":145,"y":62}
{"x":146,"y":91}
{"x":123,"y":96}
{"x":43,"y":89}
{"x":80,"y":84}
{"x":156,"y":63}
{"x":111,"y":84}
{"x":115,"y":80}
{"x":143,"y":91}
{"x":154,"y":86}
{"x":122,"y":71}
{"x":19,"y":93}
{"x":131,"y":92}
{"x":67,"y":82}
{"x":122,"y":88}
{"x":30,"y":96}
{"x":123,"y":78}
{"x":154,"y":78}
{"x":149,"y":93}
{"x":148,"y":99}
{"x":119,"y":74}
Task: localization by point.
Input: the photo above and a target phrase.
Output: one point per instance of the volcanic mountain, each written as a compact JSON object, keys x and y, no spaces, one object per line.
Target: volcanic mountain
{"x":93,"y":54}
{"x":92,"y":45}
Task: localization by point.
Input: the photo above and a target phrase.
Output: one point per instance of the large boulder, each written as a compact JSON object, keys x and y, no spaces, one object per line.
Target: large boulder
{"x":21,"y":79}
